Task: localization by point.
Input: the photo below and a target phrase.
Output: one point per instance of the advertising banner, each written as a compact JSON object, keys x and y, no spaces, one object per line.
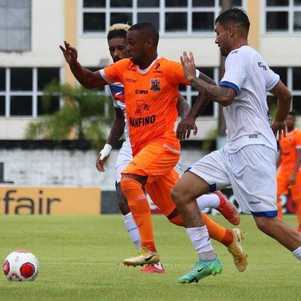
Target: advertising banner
{"x":17,"y":200}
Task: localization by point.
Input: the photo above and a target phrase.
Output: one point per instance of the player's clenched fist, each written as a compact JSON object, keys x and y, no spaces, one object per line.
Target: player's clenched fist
{"x":103,"y":156}
{"x":70,"y":53}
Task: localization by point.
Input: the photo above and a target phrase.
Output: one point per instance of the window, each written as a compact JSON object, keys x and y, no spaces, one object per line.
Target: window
{"x":15,"y":25}
{"x":283,"y":16}
{"x":291,"y":77}
{"x":21,"y":91}
{"x":169,"y":16}
{"x":191,"y":94}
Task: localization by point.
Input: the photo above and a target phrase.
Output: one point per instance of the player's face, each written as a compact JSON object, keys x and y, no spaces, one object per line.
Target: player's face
{"x":290,"y":122}
{"x":118,"y":48}
{"x":136,"y":46}
{"x":223,"y":39}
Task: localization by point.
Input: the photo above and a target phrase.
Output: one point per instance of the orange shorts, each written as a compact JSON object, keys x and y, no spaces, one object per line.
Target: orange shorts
{"x":160,"y":189}
{"x":283,"y":185}
{"x":157,"y":161}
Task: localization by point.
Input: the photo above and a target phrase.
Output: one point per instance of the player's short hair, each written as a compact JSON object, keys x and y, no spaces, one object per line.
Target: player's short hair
{"x":149,"y":29}
{"x":118,"y":30}
{"x":236,"y":16}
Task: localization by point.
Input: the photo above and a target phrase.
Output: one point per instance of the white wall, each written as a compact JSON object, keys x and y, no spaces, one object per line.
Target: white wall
{"x":13,"y":128}
{"x":281,"y":50}
{"x":66,"y":168}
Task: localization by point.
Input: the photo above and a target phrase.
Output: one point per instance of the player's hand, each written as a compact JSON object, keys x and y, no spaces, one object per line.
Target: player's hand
{"x":188,"y":64}
{"x":102,"y":157}
{"x":279,"y":129}
{"x":70,"y":53}
{"x":185,"y":127}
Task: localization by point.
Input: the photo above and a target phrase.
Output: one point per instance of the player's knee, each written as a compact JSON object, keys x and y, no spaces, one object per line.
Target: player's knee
{"x":264,"y":224}
{"x":128,"y":184}
{"x":179,"y":196}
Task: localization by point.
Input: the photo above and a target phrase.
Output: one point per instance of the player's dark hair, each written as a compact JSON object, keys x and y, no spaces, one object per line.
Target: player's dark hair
{"x":236,"y":16}
{"x":149,"y":30}
{"x":118,"y":31}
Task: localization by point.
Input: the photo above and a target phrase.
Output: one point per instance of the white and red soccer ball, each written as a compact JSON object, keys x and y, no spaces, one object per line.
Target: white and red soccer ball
{"x":20,"y":266}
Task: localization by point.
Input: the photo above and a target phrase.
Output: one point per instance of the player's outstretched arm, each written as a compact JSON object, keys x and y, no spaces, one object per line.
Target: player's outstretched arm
{"x":284,"y":98}
{"x":116,"y":132}
{"x":222,"y":95}
{"x":87,"y":78}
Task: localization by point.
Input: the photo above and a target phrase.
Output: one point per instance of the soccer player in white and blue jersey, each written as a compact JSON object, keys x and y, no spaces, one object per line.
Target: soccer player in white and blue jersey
{"x":248,"y":159}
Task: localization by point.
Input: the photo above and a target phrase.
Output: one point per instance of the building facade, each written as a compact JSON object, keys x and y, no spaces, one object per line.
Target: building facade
{"x":32,"y":30}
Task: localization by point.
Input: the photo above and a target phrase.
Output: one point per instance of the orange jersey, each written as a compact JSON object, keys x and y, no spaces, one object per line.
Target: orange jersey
{"x":288,"y":148}
{"x":151,"y":97}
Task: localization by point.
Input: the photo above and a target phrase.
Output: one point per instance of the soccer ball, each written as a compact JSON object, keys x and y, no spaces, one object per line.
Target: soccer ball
{"x":20,"y":266}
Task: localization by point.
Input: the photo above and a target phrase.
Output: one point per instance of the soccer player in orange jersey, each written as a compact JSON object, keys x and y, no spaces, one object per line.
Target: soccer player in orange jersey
{"x":151,"y":94}
{"x":289,"y":171}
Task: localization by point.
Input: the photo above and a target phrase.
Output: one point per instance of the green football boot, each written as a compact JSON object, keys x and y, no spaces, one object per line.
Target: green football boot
{"x":201,"y":270}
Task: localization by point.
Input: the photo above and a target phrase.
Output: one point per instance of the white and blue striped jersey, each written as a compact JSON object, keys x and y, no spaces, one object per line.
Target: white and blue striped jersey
{"x":116,"y":92}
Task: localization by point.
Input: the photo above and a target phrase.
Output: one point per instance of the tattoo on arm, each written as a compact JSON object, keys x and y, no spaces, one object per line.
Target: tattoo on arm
{"x":222,"y":95}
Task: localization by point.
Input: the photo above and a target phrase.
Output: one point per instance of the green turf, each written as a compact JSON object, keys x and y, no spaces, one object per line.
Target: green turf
{"x":80,"y":260}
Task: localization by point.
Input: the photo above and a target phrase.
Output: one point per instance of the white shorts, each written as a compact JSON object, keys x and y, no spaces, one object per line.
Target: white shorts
{"x":123,"y":159}
{"x":251,"y":172}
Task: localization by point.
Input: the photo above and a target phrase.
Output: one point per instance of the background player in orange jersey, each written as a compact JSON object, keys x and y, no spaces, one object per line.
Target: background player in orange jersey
{"x":151,"y":94}
{"x":289,"y":171}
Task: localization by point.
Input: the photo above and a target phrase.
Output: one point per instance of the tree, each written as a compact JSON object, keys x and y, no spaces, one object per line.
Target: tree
{"x":80,"y":117}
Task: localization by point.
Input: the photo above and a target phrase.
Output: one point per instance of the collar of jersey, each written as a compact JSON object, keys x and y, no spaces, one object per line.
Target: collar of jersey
{"x":143,"y":71}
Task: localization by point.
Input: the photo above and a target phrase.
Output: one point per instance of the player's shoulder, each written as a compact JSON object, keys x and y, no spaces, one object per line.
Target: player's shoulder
{"x":123,"y":63}
{"x":243,"y":53}
{"x":297,"y":132}
{"x":166,"y":64}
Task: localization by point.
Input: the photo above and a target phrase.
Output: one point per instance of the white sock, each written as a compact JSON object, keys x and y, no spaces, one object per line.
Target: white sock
{"x":297,"y":253}
{"x":201,"y":242}
{"x":208,"y":201}
{"x":132,"y":229}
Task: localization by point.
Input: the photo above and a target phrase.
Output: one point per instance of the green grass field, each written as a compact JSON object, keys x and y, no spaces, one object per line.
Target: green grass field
{"x":80,"y":260}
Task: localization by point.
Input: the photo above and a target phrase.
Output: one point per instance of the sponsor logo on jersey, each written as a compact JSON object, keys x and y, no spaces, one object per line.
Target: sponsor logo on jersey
{"x":138,"y":91}
{"x":262,"y":65}
{"x":142,"y":121}
{"x":141,"y":107}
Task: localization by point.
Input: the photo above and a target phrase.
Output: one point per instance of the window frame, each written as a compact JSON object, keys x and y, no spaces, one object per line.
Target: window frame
{"x":161,"y":10}
{"x":290,"y":9}
{"x":289,"y":76}
{"x":34,"y":92}
{"x":23,"y":29}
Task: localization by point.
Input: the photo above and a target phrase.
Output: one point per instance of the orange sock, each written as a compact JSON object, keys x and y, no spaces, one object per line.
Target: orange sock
{"x":216,"y":231}
{"x":133,"y":192}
